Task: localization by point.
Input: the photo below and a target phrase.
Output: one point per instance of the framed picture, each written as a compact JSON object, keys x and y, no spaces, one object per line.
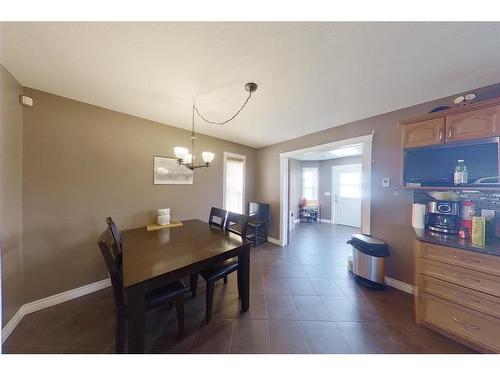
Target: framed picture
{"x":166,"y":171}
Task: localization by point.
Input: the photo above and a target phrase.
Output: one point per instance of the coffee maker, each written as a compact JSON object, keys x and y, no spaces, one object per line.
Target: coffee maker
{"x":443,"y":216}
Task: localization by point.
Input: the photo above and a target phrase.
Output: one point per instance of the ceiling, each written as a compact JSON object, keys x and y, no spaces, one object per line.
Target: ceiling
{"x":311,"y":76}
{"x":329,"y":153}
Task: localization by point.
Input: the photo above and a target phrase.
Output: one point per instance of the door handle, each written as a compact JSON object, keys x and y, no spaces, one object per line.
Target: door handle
{"x":450,"y":133}
{"x":441,"y":134}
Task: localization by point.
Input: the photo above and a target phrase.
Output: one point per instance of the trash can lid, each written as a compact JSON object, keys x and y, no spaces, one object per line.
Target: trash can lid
{"x":369,"y":245}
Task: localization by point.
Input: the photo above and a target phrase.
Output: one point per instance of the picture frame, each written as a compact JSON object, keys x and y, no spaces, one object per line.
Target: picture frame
{"x":166,"y":171}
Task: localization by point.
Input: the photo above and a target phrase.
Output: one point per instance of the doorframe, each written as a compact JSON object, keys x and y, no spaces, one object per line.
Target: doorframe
{"x":332,"y":203}
{"x":366,"y":162}
{"x":225,"y":156}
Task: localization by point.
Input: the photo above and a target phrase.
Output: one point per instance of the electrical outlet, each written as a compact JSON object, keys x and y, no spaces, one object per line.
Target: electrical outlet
{"x":386,"y":182}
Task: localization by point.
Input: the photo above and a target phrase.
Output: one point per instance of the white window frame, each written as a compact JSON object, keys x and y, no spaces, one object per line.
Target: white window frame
{"x":315,"y":182}
{"x":225,"y":157}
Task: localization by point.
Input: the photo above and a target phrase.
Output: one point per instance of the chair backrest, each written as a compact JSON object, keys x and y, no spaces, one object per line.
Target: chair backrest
{"x":217,"y":217}
{"x":106,"y":245}
{"x":237,"y":223}
{"x":260,"y":211}
{"x":117,"y":239}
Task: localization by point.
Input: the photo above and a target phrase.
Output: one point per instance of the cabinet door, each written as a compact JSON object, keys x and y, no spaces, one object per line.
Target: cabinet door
{"x":481,"y":123}
{"x":424,"y":133}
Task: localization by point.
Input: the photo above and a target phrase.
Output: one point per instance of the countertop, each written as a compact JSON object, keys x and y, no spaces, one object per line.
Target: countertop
{"x":491,"y":247}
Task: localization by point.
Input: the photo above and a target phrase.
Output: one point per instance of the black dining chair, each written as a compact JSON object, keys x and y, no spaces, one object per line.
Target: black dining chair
{"x":237,"y":224}
{"x":156,"y":298}
{"x":258,"y":224}
{"x":217,"y":217}
{"x":117,"y":238}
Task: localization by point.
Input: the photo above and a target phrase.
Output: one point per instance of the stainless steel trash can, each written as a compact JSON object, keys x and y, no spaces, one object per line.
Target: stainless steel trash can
{"x":368,"y":260}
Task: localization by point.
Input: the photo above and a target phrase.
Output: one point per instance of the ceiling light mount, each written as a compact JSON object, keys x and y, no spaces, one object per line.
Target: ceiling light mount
{"x":251,"y":87}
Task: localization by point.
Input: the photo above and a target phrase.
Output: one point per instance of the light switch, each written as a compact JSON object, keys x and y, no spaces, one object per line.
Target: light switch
{"x":386,"y":182}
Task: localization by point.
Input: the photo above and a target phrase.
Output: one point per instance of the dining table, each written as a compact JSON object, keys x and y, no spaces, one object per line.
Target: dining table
{"x":152,"y":259}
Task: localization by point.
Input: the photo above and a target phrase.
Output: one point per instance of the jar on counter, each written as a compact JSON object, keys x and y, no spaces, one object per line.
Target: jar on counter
{"x":468,"y":210}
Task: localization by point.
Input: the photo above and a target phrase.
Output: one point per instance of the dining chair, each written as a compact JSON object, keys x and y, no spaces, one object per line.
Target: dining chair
{"x":156,"y":298}
{"x":217,"y":217}
{"x":259,"y":219}
{"x":237,"y":224}
{"x":117,"y":239}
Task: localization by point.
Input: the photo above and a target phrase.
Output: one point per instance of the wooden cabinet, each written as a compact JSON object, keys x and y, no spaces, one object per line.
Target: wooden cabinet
{"x":481,"y":123}
{"x":457,"y":293}
{"x":423,"y":133}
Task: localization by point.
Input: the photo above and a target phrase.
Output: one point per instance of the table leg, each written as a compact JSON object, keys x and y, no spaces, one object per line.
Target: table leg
{"x":136,"y":312}
{"x":244,"y":273}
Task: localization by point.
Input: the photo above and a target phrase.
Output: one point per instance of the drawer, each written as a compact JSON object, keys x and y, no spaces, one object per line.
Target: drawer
{"x":457,"y":275}
{"x":481,"y":302}
{"x":468,"y":259}
{"x":461,"y":321}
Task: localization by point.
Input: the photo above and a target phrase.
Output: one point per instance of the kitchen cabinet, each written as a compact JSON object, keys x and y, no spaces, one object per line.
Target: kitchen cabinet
{"x":423,"y":133}
{"x":457,"y":293}
{"x":481,"y":123}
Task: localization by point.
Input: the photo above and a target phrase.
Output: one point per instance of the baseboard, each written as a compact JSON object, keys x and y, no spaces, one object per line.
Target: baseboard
{"x":326,"y":221}
{"x":407,"y":288}
{"x":51,"y":301}
{"x":274,"y":241}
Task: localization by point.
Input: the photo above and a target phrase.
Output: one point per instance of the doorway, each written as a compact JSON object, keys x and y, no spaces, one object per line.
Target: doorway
{"x":340,"y":148}
{"x":346,"y":195}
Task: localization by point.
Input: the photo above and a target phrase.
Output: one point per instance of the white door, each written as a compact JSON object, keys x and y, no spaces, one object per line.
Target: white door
{"x":346,"y":198}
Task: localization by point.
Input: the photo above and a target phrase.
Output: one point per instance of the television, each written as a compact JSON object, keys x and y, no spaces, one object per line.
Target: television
{"x":434,"y":165}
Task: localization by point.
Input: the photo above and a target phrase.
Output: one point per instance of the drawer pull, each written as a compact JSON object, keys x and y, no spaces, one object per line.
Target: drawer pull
{"x":464,"y":324}
{"x":466,"y":259}
{"x":466,"y":298}
{"x":465,"y":278}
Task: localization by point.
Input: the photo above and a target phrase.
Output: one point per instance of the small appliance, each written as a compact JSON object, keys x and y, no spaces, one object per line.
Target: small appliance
{"x":443,"y":216}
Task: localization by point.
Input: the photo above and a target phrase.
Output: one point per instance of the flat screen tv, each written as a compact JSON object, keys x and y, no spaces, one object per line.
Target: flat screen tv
{"x":434,"y":165}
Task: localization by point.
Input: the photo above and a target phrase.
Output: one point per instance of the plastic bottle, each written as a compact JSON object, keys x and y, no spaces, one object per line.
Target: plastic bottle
{"x":460,"y":176}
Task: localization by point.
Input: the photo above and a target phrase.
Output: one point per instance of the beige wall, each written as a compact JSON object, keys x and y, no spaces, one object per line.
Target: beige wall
{"x":390,"y":207}
{"x":83,"y":163}
{"x":11,"y":216}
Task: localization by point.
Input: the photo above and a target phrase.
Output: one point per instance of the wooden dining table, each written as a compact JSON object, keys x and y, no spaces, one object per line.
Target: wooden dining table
{"x":155,"y":258}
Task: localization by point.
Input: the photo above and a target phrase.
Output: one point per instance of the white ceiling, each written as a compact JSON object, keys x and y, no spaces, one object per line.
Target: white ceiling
{"x":311,"y":76}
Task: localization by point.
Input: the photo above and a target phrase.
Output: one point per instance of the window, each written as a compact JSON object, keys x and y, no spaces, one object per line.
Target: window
{"x":234,"y":182}
{"x":350,"y":184}
{"x":310,"y":183}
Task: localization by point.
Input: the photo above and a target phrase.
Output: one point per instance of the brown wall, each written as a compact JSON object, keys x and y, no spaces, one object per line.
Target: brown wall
{"x":390,"y":207}
{"x":11,"y":215}
{"x":83,"y":163}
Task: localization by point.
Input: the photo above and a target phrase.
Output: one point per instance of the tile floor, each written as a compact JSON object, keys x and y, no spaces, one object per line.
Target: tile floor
{"x":303,"y":300}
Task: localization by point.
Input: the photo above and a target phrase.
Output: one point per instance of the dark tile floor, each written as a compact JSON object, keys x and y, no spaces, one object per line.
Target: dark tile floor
{"x":303,"y":300}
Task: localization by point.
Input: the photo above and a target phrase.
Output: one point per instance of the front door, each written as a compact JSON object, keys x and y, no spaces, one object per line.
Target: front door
{"x":346,"y":198}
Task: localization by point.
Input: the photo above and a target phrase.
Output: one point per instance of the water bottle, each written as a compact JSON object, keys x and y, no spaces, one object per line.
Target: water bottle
{"x":461,"y":175}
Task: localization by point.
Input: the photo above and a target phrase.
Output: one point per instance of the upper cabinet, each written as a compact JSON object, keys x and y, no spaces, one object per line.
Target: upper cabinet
{"x":423,"y":133}
{"x":481,"y":123}
{"x":481,"y":120}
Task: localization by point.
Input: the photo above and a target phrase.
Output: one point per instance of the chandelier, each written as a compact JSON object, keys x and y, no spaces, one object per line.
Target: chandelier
{"x":185,"y":156}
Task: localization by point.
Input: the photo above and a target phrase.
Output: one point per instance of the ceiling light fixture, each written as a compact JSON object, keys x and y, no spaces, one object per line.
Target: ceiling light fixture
{"x":185,"y":156}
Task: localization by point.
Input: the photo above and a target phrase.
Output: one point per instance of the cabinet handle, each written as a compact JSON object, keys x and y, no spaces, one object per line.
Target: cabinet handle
{"x":449,"y":133}
{"x":465,"y":278}
{"x":466,"y":259}
{"x":464,"y":297}
{"x":441,"y":134}
{"x":464,"y":324}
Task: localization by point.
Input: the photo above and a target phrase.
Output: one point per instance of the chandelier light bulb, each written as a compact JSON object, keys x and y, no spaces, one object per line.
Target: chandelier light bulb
{"x":181,"y":152}
{"x":207,"y":156}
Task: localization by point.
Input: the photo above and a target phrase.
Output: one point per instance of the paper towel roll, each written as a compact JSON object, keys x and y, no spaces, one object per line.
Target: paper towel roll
{"x":418,"y":216}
